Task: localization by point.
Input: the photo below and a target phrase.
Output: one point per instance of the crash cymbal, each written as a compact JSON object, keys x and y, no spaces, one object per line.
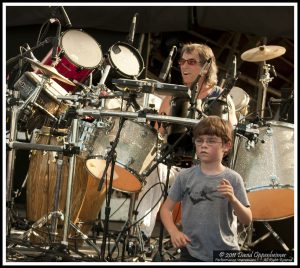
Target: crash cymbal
{"x":50,"y":71}
{"x":263,"y":53}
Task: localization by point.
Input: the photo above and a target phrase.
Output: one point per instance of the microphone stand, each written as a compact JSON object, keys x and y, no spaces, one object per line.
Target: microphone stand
{"x":193,"y":99}
{"x":27,"y":52}
{"x":158,"y":257}
{"x":112,"y":155}
{"x":229,"y":84}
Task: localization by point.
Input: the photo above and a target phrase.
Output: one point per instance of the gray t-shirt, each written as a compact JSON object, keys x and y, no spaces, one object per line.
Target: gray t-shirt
{"x":208,"y":218}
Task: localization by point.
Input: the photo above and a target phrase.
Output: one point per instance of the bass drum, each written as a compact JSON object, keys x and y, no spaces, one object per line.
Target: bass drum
{"x":42,"y":179}
{"x":268,"y":171}
{"x":79,"y":55}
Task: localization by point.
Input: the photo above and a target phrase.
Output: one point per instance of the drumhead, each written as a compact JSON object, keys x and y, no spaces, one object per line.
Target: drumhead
{"x":81,"y":49}
{"x":240,"y":98}
{"x":126,"y":60}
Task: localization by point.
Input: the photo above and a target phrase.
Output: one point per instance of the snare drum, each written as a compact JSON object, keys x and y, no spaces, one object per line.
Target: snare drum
{"x":47,"y":108}
{"x":79,"y":55}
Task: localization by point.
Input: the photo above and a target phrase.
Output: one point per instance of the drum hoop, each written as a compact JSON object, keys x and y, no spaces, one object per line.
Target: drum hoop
{"x":270,"y":187}
{"x":74,"y":63}
{"x":280,"y":123}
{"x":136,"y":53}
{"x":132,"y":171}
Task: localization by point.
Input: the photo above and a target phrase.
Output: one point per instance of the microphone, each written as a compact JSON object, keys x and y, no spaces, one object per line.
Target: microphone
{"x":66,"y":18}
{"x":55,"y":41}
{"x":167,"y":64}
{"x":132,"y":29}
{"x":205,"y":67}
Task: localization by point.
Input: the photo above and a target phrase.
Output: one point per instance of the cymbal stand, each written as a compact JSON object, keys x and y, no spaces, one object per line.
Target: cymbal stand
{"x":265,"y":79}
{"x":111,"y":158}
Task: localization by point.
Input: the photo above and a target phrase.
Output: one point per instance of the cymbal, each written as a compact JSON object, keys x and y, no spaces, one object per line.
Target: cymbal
{"x":50,"y":71}
{"x":263,"y":53}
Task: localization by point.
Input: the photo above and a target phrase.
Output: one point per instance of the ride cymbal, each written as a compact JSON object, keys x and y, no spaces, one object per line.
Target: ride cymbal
{"x":50,"y":71}
{"x":263,"y":53}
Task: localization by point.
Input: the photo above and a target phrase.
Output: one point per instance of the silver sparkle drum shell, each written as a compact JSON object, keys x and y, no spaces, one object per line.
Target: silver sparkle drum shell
{"x":268,"y":171}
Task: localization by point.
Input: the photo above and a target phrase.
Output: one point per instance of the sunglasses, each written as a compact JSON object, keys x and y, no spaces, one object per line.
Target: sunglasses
{"x":189,"y":61}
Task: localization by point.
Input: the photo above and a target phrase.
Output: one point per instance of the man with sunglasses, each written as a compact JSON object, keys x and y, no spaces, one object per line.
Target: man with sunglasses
{"x":199,"y":72}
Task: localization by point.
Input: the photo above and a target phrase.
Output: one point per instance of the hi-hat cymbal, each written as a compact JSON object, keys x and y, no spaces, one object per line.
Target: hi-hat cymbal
{"x":50,"y":71}
{"x":263,"y":53}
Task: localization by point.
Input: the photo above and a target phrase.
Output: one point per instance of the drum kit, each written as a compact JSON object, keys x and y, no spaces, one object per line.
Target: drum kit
{"x":77,"y":148}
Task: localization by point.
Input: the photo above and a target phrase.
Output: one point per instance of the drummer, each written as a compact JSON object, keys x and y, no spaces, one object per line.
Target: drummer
{"x":193,"y":58}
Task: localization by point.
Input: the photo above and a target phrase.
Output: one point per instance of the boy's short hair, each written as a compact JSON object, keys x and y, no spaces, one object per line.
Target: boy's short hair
{"x":214,"y":125}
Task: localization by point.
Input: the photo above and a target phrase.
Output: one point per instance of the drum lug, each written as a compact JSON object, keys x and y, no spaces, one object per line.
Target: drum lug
{"x":143,"y":134}
{"x":130,"y":161}
{"x":269,"y":131}
{"x":274,"y":181}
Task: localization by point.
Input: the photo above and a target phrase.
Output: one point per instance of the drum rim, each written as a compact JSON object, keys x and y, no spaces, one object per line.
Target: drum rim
{"x":269,"y":187}
{"x":76,"y":64}
{"x":280,"y":123}
{"x":99,"y":157}
{"x":136,"y":52}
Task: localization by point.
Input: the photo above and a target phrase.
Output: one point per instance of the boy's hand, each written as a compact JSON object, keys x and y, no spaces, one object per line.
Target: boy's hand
{"x":226,"y":190}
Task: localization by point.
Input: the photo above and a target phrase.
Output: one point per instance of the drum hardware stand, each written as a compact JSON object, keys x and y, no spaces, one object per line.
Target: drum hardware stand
{"x":112,"y":156}
{"x":250,"y":244}
{"x":70,"y":150}
{"x":14,"y":101}
{"x":11,"y":156}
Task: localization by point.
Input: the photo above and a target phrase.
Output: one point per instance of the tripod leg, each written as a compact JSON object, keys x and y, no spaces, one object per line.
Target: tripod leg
{"x":277,"y":237}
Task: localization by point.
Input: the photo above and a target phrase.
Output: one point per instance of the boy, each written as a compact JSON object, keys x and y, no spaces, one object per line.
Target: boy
{"x":213,"y":197}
